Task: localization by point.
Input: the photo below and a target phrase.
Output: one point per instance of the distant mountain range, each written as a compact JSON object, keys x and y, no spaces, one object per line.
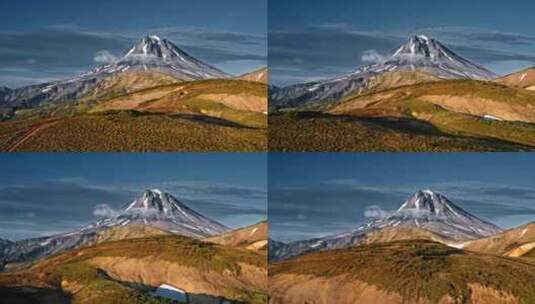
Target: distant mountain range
{"x":426,"y":214}
{"x":154,"y":208}
{"x":419,"y":53}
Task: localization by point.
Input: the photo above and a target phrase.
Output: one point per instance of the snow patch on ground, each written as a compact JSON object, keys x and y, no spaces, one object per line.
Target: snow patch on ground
{"x":171,"y":292}
{"x":490,"y":117}
{"x":458,"y":245}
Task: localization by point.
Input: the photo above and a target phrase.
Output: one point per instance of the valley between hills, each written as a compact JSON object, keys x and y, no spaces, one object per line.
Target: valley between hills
{"x":424,"y":97}
{"x":155,"y":97}
{"x":155,"y":250}
{"x":429,"y":251}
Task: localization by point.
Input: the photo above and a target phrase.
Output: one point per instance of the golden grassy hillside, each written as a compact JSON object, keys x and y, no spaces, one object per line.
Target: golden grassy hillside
{"x":130,"y":131}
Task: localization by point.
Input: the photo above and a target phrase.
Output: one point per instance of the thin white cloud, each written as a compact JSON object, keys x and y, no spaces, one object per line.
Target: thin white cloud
{"x":104,"y":211}
{"x":376,"y":212}
{"x":372,"y":56}
{"x":104,"y":56}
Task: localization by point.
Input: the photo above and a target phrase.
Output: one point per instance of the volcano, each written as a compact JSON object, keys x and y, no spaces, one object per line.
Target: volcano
{"x":153,"y":208}
{"x":425,"y":212}
{"x":419,"y":53}
{"x":150,"y":54}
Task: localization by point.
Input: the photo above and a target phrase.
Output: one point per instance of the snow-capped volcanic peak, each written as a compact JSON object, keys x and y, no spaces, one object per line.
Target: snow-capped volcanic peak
{"x":419,"y":53}
{"x":154,"y":46}
{"x":428,"y":202}
{"x":435,"y":212}
{"x":162,"y":210}
{"x":157,"y":201}
{"x":158,"y":54}
{"x":422,"y":45}
{"x":429,"y":55}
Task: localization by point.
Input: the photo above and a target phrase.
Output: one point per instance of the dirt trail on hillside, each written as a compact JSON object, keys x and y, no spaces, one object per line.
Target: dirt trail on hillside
{"x":31,"y":132}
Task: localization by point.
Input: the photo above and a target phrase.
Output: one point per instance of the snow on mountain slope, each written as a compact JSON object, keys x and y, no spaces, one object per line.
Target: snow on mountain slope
{"x":425,"y":210}
{"x":154,"y":208}
{"x":151,"y":53}
{"x":420,"y":53}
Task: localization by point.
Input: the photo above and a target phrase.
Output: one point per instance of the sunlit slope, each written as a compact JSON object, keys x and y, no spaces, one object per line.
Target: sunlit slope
{"x":260,"y":75}
{"x":457,"y":107}
{"x":254,"y":237}
{"x":516,"y":242}
{"x":234,"y":100}
{"x":524,"y":79}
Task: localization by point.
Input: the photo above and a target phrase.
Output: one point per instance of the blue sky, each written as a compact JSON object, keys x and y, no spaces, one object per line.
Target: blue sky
{"x":315,"y":39}
{"x":42,"y":194}
{"x":317,"y":194}
{"x":50,"y":40}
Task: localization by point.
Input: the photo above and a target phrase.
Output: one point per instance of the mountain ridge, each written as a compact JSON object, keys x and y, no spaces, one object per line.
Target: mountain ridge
{"x":258,"y":75}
